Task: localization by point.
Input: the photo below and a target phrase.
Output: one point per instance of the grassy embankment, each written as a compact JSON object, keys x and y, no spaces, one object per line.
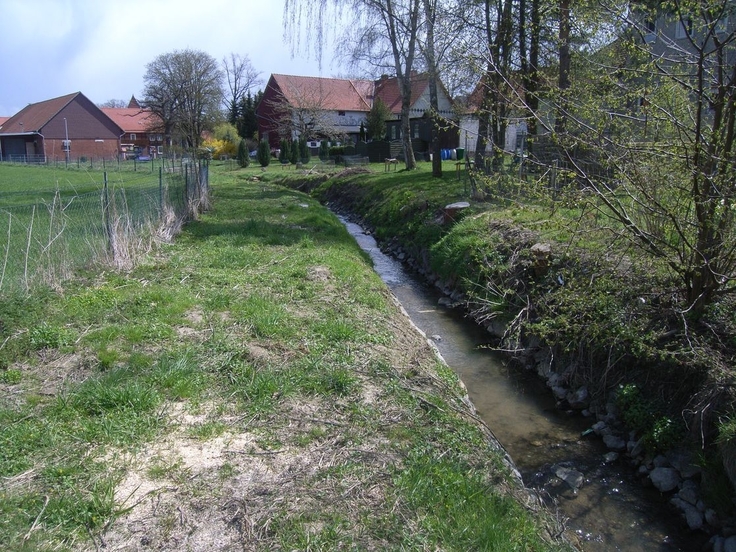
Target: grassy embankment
{"x":603,"y":315}
{"x":251,"y":384}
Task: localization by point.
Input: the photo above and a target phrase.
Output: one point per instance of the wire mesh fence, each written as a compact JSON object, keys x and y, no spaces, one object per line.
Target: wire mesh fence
{"x":46,"y":241}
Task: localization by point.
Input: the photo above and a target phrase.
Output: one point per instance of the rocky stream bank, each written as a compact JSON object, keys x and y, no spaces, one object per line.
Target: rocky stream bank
{"x":675,"y":473}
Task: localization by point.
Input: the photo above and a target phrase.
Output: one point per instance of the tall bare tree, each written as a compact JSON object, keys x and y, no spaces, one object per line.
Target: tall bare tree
{"x":184,"y":89}
{"x":241,"y":78}
{"x":390,"y":23}
{"x":301,"y":112}
{"x":495,"y":83}
{"x":430,"y":55}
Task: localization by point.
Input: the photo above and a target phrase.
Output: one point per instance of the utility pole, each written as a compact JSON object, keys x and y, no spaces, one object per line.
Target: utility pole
{"x":66,"y":142}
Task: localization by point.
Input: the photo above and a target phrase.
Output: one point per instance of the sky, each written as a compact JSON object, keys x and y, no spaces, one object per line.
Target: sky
{"x":50,"y":48}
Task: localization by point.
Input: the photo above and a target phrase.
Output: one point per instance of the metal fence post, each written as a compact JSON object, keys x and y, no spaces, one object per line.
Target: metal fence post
{"x":106,"y":213}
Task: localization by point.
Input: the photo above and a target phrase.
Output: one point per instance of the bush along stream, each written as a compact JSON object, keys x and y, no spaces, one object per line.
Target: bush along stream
{"x":564,"y":297}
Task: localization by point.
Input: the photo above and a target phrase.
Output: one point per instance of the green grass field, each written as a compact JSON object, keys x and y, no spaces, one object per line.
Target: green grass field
{"x":53,"y":220}
{"x":29,"y":184}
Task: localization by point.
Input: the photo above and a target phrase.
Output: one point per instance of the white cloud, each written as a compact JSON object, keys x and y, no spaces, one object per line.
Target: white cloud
{"x":101,"y":47}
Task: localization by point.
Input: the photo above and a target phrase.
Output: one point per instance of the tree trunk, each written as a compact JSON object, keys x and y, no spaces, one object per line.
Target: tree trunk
{"x":430,"y":14}
{"x":564,"y":66}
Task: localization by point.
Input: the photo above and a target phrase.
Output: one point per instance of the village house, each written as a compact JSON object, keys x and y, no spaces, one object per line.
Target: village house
{"x":333,"y":109}
{"x":58,"y":129}
{"x":142,"y":131}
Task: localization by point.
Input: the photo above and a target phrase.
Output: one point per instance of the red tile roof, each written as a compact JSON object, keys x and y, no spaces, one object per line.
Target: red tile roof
{"x":132,"y":119}
{"x":331,"y":94}
{"x":347,"y":95}
{"x":387,"y":88}
{"x":33,"y":117}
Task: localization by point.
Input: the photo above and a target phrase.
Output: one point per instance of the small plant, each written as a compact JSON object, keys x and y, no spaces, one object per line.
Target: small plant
{"x":48,"y":337}
{"x":11,"y":376}
{"x":285,"y":152}
{"x":635,"y":410}
{"x":660,"y":432}
{"x":304,"y":154}
{"x":294,"y":152}
{"x":207,"y":430}
{"x":264,"y":153}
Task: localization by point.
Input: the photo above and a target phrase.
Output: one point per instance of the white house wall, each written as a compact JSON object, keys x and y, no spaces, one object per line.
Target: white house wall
{"x":423,"y":104}
{"x":469,"y":133}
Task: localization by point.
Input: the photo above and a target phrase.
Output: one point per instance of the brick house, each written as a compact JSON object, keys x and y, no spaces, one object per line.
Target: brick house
{"x":142,"y":131}
{"x":335,"y":108}
{"x":61,"y":128}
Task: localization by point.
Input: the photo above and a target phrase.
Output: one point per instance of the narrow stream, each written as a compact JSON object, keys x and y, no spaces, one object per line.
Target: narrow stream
{"x":611,"y":511}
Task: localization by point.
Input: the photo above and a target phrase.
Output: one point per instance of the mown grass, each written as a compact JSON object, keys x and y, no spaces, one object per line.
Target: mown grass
{"x":27,"y":184}
{"x":263,"y":324}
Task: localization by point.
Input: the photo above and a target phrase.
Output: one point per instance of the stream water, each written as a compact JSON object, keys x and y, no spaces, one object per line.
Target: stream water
{"x":612,"y":511}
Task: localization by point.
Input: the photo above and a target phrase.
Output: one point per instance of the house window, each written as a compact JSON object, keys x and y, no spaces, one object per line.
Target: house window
{"x":160,"y":150}
{"x":415,"y":129}
{"x":341,"y":113}
{"x":393,"y":132}
{"x":684,"y":29}
{"x":650,"y":31}
{"x":132,"y":137}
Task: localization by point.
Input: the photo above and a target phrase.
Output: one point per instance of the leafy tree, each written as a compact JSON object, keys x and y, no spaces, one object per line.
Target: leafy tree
{"x":264,"y":153}
{"x":184,"y":89}
{"x":243,"y":154}
{"x":361,"y":133}
{"x":226,"y":131}
{"x":324,"y":150}
{"x":247,"y":122}
{"x":376,"y":120}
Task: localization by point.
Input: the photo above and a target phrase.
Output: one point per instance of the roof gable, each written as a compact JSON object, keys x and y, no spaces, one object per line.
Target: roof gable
{"x":327,"y":93}
{"x":45,"y":118}
{"x":387,"y":88}
{"x":33,"y":117}
{"x":132,"y":120}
